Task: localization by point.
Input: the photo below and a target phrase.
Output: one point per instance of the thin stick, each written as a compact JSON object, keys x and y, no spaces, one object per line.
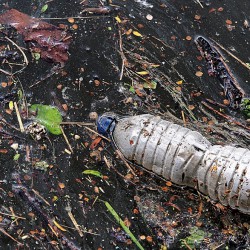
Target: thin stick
{"x":67,"y":141}
{"x":19,"y":118}
{"x":229,"y":118}
{"x":35,"y":192}
{"x":75,"y":17}
{"x":232,"y":55}
{"x":4,"y":232}
{"x":78,"y":123}
{"x":122,"y":55}
{"x":5,"y":72}
{"x":93,"y":131}
{"x":125,"y":162}
{"x":198,"y":1}
{"x":15,"y":216}
{"x":183,"y":118}
{"x":68,"y":209}
{"x":24,"y":56}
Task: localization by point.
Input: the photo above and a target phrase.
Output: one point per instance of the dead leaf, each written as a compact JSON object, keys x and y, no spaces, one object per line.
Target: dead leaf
{"x":61,"y":185}
{"x":51,"y":41}
{"x":199,"y":73}
{"x":95,"y":143}
{"x":229,"y":22}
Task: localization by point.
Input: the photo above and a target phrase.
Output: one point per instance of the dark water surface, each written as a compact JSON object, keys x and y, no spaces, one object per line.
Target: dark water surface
{"x":90,"y":81}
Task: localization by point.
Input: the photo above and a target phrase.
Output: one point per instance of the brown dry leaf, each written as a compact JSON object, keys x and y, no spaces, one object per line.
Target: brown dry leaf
{"x":95,"y":143}
{"x":75,"y":26}
{"x":139,"y":92}
{"x":188,"y":38}
{"x":179,"y":82}
{"x":51,"y":41}
{"x":71,"y":20}
{"x":229,"y":22}
{"x":190,"y":210}
{"x":168,"y":183}
{"x":128,"y":32}
{"x":164,"y":189}
{"x":61,"y":185}
{"x":191,"y":107}
{"x":199,"y":73}
{"x":178,"y":88}
{"x":3,"y":151}
{"x":149,"y":239}
{"x":4,"y":84}
{"x":226,"y":102}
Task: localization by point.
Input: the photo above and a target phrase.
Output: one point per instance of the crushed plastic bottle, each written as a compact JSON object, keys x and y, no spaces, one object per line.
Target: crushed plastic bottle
{"x":183,"y":156}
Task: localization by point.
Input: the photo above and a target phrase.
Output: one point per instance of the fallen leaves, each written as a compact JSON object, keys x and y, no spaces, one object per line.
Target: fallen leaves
{"x":47,"y":39}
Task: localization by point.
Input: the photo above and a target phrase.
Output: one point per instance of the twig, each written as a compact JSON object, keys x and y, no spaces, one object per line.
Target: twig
{"x":122,"y":55}
{"x":198,"y":1}
{"x":67,"y":141}
{"x":4,"y":232}
{"x":186,"y":244}
{"x":19,"y":118}
{"x":68,"y":209}
{"x":35,"y":192}
{"x":5,"y":72}
{"x":93,"y":131}
{"x":15,"y":216}
{"x":78,"y":123}
{"x":24,"y":56}
{"x":75,"y":17}
{"x":231,"y":54}
{"x":183,"y":118}
{"x":229,"y":118}
{"x":125,"y":162}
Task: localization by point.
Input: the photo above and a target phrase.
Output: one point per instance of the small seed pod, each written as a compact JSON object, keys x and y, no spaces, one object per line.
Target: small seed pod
{"x":183,"y":156}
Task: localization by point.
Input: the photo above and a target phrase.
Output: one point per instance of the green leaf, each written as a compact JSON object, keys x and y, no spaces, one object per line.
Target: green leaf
{"x":93,"y":172}
{"x":151,"y":85}
{"x":195,"y":238}
{"x":16,"y":157}
{"x":132,"y":89}
{"x":36,"y":56}
{"x":44,"y":8}
{"x":48,"y":116}
{"x":125,"y":228}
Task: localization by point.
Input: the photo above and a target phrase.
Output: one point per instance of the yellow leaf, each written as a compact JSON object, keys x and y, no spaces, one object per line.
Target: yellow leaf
{"x":179,"y":82}
{"x":59,"y":226}
{"x":11,"y":105}
{"x":155,"y":65}
{"x":117,"y":18}
{"x":136,"y":33}
{"x":142,"y":73}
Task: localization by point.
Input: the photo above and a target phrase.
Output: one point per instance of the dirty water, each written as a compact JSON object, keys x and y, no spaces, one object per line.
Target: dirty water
{"x":161,"y":215}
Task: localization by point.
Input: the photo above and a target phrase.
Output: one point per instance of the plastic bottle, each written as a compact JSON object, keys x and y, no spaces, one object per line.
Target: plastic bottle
{"x":183,"y":156}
